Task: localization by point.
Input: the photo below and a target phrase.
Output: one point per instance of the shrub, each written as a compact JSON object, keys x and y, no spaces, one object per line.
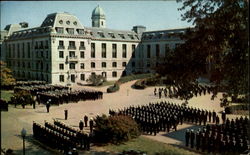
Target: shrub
{"x":22,"y":97}
{"x":140,"y":84}
{"x":96,"y":80}
{"x":113,"y":88}
{"x":115,"y":129}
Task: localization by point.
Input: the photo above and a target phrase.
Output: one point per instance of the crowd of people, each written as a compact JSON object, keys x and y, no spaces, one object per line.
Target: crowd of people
{"x":60,"y":136}
{"x":34,"y":89}
{"x":231,"y":136}
{"x":183,"y":91}
{"x":65,"y":96}
{"x":165,"y":116}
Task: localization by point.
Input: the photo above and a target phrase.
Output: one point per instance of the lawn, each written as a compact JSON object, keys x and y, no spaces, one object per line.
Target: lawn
{"x":149,"y":146}
{"x":6,"y":94}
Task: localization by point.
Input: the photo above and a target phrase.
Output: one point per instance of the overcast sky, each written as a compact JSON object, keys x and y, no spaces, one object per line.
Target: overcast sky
{"x":122,"y":15}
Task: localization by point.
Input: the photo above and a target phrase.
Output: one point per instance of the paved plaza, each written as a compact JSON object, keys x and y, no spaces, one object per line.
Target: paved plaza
{"x":17,"y":118}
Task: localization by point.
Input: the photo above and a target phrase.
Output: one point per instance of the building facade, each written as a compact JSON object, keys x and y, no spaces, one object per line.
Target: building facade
{"x":63,"y":51}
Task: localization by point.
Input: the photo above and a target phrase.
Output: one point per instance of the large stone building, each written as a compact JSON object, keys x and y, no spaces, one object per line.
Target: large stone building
{"x":63,"y":51}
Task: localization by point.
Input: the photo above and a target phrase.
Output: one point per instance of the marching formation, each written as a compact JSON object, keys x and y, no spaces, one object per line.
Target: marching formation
{"x":61,"y":136}
{"x":164,"y":116}
{"x":230,"y":136}
{"x":65,"y":96}
{"x":182,"y":91}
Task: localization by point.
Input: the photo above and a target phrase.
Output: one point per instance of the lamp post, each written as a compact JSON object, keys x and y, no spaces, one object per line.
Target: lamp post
{"x":23,"y":134}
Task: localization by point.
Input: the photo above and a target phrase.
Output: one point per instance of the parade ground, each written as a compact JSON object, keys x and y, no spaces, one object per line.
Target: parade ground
{"x":17,"y":118}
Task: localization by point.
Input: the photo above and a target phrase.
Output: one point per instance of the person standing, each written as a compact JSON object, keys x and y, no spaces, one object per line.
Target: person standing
{"x":86,"y":120}
{"x":81,"y":125}
{"x":223,"y":117}
{"x":66,"y":114}
{"x":91,"y":124}
{"x":192,"y":136}
{"x":155,"y":92}
{"x":48,"y":105}
{"x":187,"y":136}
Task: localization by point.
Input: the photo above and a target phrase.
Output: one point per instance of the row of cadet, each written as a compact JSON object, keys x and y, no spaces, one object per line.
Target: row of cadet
{"x":230,"y":137}
{"x":62,"y":137}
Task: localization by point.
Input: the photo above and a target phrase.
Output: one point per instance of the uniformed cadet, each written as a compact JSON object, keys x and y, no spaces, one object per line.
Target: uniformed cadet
{"x":81,"y":125}
{"x":48,"y":105}
{"x":192,"y":136}
{"x":187,"y":136}
{"x":91,"y":125}
{"x":86,"y":120}
{"x":155,"y":91}
{"x":66,"y":114}
{"x":223,"y":117}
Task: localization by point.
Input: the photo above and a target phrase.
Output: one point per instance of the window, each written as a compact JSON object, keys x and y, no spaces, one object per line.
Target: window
{"x":124,"y":64}
{"x":133,"y":51}
{"x":29,"y":65}
{"x":148,"y":51}
{"x":82,"y":65}
{"x":104,"y":65}
{"x":23,"y":51}
{"x":102,"y":23}
{"x":41,"y":53}
{"x":101,"y":34}
{"x":59,"y":30}
{"x":61,"y":78}
{"x":157,"y":50}
{"x":72,"y":45}
{"x":114,"y":64}
{"x":82,"y":54}
{"x":41,"y":45}
{"x":18,"y":51}
{"x":148,"y":64}
{"x":47,"y":67}
{"x":82,"y":46}
{"x":122,"y":36}
{"x":61,"y":54}
{"x":177,"y":45}
{"x":41,"y":66}
{"x":112,"y":35}
{"x":72,"y":54}
{"x":92,"y":50}
{"x":72,"y":66}
{"x":46,"y":44}
{"x":124,"y":50}
{"x":61,"y":66}
{"x":80,"y":31}
{"x":92,"y":65}
{"x":167,"y":49}
{"x":61,"y":44}
{"x":103,"y":50}
{"x":114,"y":51}
{"x":133,"y":64}
{"x":114,"y":74}
{"x":23,"y":64}
{"x":104,"y":74}
{"x":28,"y":46}
{"x":14,"y":51}
{"x":70,"y":31}
{"x":73,"y":78}
{"x":82,"y":77}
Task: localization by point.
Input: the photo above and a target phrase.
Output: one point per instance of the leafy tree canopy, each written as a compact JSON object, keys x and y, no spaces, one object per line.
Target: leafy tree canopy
{"x":6,"y":75}
{"x":217,"y":46}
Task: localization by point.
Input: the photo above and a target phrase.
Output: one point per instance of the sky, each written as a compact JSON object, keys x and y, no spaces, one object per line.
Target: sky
{"x":120,"y":15}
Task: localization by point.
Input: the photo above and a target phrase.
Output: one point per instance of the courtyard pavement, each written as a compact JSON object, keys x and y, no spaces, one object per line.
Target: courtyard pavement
{"x":15,"y":119}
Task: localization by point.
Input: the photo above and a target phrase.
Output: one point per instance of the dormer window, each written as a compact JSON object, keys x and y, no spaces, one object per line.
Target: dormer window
{"x":75,"y":23}
{"x":61,"y":21}
{"x":122,"y":36}
{"x":68,"y":22}
{"x":112,"y":35}
{"x":59,"y":30}
{"x":101,"y":34}
{"x":131,"y":36}
{"x":80,"y":31}
{"x":70,"y":30}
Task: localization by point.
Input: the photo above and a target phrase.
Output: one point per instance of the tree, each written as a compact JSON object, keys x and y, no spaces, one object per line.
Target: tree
{"x":217,"y":46}
{"x":96,"y":80}
{"x":6,"y":75}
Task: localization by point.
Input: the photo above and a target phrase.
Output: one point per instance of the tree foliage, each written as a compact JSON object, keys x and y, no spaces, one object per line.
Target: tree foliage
{"x":6,"y":75}
{"x":115,"y":129}
{"x":217,"y":46}
{"x":96,"y":80}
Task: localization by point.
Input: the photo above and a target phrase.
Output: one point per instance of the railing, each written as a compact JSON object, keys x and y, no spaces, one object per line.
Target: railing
{"x":82,"y":48}
{"x":72,"y":47}
{"x":61,"y":47}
